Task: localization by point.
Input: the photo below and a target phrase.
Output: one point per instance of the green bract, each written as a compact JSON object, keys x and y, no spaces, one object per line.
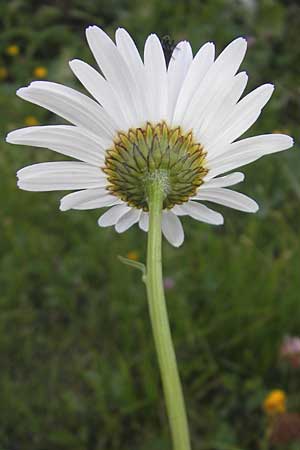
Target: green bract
{"x":155,"y":153}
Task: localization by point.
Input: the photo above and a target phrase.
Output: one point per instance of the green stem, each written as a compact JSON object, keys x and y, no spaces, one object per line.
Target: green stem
{"x":160,"y":324}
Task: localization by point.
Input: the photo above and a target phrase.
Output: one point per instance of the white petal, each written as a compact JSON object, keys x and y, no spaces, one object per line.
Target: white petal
{"x":172,"y":228}
{"x":103,"y":202}
{"x":144,"y":221}
{"x":220,"y":73}
{"x":201,"y":212}
{"x":248,"y":150}
{"x":128,"y":50}
{"x":127,"y":220}
{"x":57,"y":176}
{"x":198,"y":69}
{"x":131,"y":56}
{"x":156,"y":79}
{"x":243,"y":115}
{"x":178,"y":210}
{"x":112,"y":216}
{"x":76,"y":199}
{"x":227,"y":180}
{"x":71,"y":105}
{"x":232,"y":56}
{"x":211,"y":122}
{"x":229,"y":198}
{"x":179,"y":64}
{"x":100,"y":89}
{"x":65,"y":139}
{"x":116,"y":72}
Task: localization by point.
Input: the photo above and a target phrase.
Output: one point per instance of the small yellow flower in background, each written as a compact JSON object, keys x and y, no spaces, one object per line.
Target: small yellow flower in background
{"x":133,"y":255}
{"x":282,"y":131}
{"x":12,"y":50}
{"x":30,"y":121}
{"x":40,"y":72}
{"x":275,"y":402}
{"x":3,"y":73}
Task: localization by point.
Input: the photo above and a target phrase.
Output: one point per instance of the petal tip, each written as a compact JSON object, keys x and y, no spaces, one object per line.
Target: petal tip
{"x":100,"y":222}
{"x":21,"y":91}
{"x":287,"y":141}
{"x":73,"y":61}
{"x":253,"y":206}
{"x":121,"y":30}
{"x":118,"y":230}
{"x":240,"y":176}
{"x":20,"y":185}
{"x":290,"y":141}
{"x":62,"y":206}
{"x":220,"y":220}
{"x":9,"y":137}
{"x":153,"y":37}
{"x":269,"y":87}
{"x":211,"y":45}
{"x":241,"y":40}
{"x":91,"y":27}
{"x":177,"y":244}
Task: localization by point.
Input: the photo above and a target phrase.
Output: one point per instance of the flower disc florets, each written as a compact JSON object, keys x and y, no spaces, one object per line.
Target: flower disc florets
{"x":155,"y":152}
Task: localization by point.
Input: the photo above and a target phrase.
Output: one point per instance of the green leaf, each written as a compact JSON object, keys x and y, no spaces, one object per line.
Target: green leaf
{"x":136,"y":264}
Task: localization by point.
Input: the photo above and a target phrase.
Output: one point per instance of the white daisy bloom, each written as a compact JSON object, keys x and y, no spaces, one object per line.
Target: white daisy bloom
{"x":179,"y":122}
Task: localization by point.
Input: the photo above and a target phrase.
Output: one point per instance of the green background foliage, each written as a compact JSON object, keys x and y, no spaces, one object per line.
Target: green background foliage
{"x":78,"y":367}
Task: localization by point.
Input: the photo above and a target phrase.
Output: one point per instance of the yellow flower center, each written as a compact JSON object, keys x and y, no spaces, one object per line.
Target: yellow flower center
{"x":155,"y":153}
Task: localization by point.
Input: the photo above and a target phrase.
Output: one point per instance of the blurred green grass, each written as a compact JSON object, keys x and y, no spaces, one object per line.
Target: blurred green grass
{"x":78,"y":368}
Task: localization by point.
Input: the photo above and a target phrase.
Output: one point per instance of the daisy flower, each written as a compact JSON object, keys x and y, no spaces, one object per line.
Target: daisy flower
{"x":178,"y":123}
{"x":151,"y":146}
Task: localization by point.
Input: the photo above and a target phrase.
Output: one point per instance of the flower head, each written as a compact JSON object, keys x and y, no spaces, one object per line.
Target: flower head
{"x":40,"y":72}
{"x":176,"y":124}
{"x":3,"y":73}
{"x":13,"y":50}
{"x":31,"y":121}
{"x":134,"y":255}
{"x":275,"y":402}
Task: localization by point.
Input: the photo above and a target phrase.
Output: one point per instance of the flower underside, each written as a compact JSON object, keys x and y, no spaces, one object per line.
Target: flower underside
{"x":155,"y":153}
